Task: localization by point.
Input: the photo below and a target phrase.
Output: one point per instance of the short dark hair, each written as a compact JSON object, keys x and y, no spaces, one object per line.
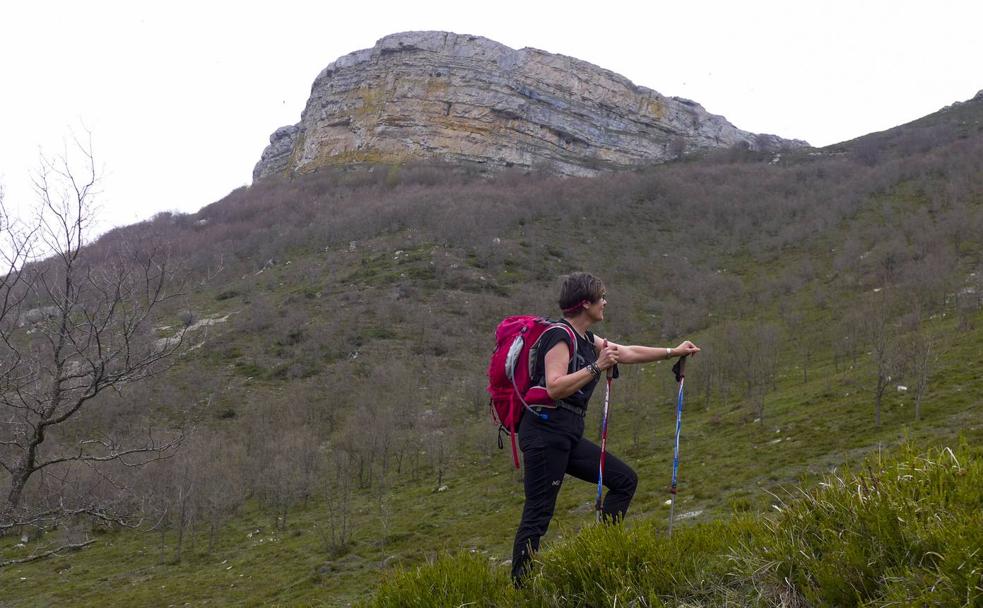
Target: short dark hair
{"x":580,"y":287}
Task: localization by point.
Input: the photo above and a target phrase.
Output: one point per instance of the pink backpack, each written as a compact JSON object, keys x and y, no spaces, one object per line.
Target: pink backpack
{"x":510,"y":372}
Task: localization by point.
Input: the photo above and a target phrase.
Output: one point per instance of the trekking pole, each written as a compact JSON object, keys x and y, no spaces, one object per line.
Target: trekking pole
{"x":680,"y":371}
{"x":604,"y":441}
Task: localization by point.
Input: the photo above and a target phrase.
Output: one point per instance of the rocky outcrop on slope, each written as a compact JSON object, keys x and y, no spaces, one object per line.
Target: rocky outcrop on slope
{"x":458,"y":98}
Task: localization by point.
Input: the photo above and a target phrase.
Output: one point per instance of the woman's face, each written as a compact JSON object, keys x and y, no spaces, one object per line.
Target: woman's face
{"x":595,"y":310}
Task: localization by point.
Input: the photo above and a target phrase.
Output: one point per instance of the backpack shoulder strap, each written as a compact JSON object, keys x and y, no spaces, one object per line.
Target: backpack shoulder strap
{"x":537,"y":356}
{"x":570,"y":334}
{"x":573,"y":345}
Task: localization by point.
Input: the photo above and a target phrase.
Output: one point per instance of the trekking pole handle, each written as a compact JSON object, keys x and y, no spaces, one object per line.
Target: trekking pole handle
{"x":610,"y":369}
{"x":679,"y":369}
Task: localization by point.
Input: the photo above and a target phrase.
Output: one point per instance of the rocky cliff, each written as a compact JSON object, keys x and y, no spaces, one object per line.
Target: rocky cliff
{"x":458,"y":98}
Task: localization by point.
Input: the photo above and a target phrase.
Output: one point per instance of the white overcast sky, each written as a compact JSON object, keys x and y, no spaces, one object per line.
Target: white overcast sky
{"x":181,"y":97}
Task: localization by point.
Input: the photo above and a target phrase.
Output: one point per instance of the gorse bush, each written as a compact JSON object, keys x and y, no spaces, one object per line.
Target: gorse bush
{"x":901,"y":531}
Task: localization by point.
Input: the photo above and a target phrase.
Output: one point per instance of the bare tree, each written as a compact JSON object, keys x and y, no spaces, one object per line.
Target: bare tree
{"x":881,"y":337}
{"x":796,"y":326}
{"x":922,"y":359}
{"x":72,"y":330}
{"x":183,"y":502}
{"x":755,"y":360}
{"x":338,"y":492}
{"x":967,"y":304}
{"x":222,"y":488}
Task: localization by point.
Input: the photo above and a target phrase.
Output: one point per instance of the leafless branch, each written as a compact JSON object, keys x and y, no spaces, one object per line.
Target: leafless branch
{"x":36,"y":557}
{"x":115,"y":453}
{"x":90,"y":334}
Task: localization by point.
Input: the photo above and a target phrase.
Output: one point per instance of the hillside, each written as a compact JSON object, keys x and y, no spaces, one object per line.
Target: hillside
{"x":340,"y":425}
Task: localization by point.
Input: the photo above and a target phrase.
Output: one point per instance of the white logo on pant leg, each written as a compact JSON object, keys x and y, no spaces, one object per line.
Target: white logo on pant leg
{"x":557,"y":482}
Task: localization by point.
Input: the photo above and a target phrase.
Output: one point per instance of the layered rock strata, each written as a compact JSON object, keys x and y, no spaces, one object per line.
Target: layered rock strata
{"x":458,"y":98}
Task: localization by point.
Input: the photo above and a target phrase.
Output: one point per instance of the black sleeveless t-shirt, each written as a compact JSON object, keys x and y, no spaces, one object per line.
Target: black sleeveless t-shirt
{"x":583,"y":356}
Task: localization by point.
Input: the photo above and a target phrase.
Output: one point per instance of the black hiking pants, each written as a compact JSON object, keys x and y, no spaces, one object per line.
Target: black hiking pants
{"x":551,"y":449}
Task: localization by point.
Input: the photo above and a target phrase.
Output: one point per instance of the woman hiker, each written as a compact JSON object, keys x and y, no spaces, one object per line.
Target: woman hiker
{"x":555,"y":446}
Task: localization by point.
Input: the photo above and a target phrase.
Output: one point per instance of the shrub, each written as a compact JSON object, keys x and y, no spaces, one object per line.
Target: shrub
{"x":909,"y":529}
{"x":463,"y":580}
{"x":640,"y":565}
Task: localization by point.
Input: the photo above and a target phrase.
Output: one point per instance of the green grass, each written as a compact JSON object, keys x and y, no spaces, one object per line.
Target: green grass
{"x":909,"y":527}
{"x":906,"y":529}
{"x":463,"y":580}
{"x":728,"y":464}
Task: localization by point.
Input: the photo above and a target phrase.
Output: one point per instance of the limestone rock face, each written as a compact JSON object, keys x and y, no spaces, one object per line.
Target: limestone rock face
{"x":459,"y":98}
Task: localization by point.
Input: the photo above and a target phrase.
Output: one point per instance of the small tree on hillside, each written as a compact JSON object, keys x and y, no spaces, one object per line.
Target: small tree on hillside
{"x":70,"y":331}
{"x":921,"y":361}
{"x":339,"y":484}
{"x":881,"y":338}
{"x":756,"y":352}
{"x":796,"y":327}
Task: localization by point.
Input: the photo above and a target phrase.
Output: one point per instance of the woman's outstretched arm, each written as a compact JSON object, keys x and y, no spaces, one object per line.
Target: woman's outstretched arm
{"x":647,"y":354}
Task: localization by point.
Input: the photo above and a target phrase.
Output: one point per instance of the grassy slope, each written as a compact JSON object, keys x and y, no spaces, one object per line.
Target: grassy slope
{"x":729,"y":463}
{"x":903,"y":529}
